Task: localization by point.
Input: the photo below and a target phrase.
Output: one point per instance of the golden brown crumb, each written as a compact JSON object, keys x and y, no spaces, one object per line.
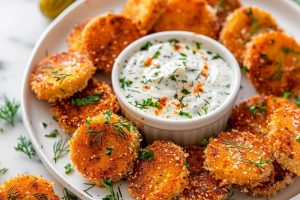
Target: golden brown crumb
{"x":71,"y":115}
{"x":282,"y":178}
{"x":284,"y":138}
{"x":189,"y":15}
{"x":106,"y":146}
{"x":61,"y":75}
{"x":104,"y":37}
{"x":251,"y":115}
{"x":273,"y":60}
{"x":27,"y":187}
{"x":242,"y":25}
{"x":224,"y":8}
{"x":144,"y":12}
{"x":239,"y":158}
{"x":75,"y":37}
{"x":163,"y":177}
{"x":202,"y":186}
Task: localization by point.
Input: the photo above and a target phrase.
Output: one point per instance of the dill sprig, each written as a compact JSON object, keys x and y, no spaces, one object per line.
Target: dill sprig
{"x":13,"y":194}
{"x":60,"y":148}
{"x":232,"y":144}
{"x":9,"y":111}
{"x":260,"y":108}
{"x":3,"y":171}
{"x":25,"y":146}
{"x":68,"y":196}
{"x":59,"y":76}
{"x":41,"y":196}
{"x":260,"y":163}
{"x":109,"y":185}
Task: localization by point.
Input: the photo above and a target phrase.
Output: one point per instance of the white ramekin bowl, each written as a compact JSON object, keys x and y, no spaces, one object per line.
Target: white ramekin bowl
{"x":187,"y":131}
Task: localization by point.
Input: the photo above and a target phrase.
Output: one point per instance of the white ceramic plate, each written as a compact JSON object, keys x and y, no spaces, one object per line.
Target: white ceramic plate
{"x":54,"y":40}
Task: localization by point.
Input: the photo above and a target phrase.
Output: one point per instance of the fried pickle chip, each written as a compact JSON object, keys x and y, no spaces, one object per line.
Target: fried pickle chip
{"x":282,"y":178}
{"x":163,"y":176}
{"x":242,"y":25}
{"x":239,"y":158}
{"x":224,"y":8}
{"x":189,"y":15}
{"x":75,"y":37}
{"x":144,"y":12}
{"x":273,"y":60}
{"x":61,"y":75}
{"x":105,"y":147}
{"x":251,"y":115}
{"x":95,"y":98}
{"x":104,"y":37}
{"x":202,"y":186}
{"x":27,"y":187}
{"x":284,"y":137}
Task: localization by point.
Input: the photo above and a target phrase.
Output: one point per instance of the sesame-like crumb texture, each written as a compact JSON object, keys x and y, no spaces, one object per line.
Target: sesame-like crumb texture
{"x":61,"y":75}
{"x":280,"y":180}
{"x":163,"y":177}
{"x":273,"y":61}
{"x":202,"y":186}
{"x":251,"y":115}
{"x":284,"y":137}
{"x":242,"y":25}
{"x":104,"y":37}
{"x":75,"y":37}
{"x":189,"y":15}
{"x":144,"y":12}
{"x":71,"y":116}
{"x":239,"y":158}
{"x":27,"y":187}
{"x":106,"y":146}
{"x":224,"y":8}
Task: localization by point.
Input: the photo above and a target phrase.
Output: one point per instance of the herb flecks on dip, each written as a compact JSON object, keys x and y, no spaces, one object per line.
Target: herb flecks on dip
{"x":176,"y":80}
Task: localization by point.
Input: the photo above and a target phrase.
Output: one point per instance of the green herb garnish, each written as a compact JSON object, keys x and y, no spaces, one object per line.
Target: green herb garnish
{"x":109,"y":185}
{"x":185,"y":91}
{"x":94,"y":98}
{"x":9,"y":111}
{"x":109,"y":151}
{"x":146,"y":46}
{"x":297,"y":101}
{"x":146,"y":154}
{"x":45,"y":125}
{"x":68,"y":196}
{"x":286,"y":95}
{"x":185,"y":114}
{"x":173,"y":77}
{"x":3,"y":171}
{"x":298,"y":139}
{"x":244,"y":69}
{"x":260,"y":108}
{"x":148,"y":103}
{"x":52,"y":134}
{"x":125,"y":83}
{"x":260,"y":163}
{"x":60,"y":149}
{"x":216,"y":56}
{"x":69,"y":168}
{"x":25,"y":146}
{"x":59,"y":76}
{"x":186,"y":164}
{"x":156,"y":55}
{"x":173,"y":41}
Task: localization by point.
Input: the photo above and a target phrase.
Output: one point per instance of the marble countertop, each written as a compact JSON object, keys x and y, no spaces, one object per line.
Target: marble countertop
{"x":21,"y":25}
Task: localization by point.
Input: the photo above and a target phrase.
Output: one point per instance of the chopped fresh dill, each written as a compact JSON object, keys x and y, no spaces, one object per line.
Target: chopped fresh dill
{"x":60,"y":149}
{"x":258,"y":108}
{"x":9,"y":110}
{"x":94,"y":98}
{"x":52,"y":134}
{"x":3,"y":171}
{"x":156,"y":55}
{"x":147,"y":103}
{"x":69,"y":168}
{"x":146,"y":46}
{"x":125,"y":83}
{"x":146,"y":154}
{"x":25,"y":146}
{"x":109,"y":151}
{"x":185,"y":114}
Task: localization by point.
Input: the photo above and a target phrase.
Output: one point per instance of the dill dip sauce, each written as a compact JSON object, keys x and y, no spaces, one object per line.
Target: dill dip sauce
{"x":176,"y":80}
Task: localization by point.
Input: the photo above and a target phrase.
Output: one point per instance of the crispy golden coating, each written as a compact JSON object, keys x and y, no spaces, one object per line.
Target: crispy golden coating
{"x":273,"y":60}
{"x":241,"y":26}
{"x":60,"y":76}
{"x":284,"y":137}
{"x":75,"y":37}
{"x":282,"y":178}
{"x":106,"y":146}
{"x":224,"y":8}
{"x":144,"y":12}
{"x":71,"y":115}
{"x":163,"y":177}
{"x":27,"y":187}
{"x":189,"y":15}
{"x":251,"y":115}
{"x":202,"y":186}
{"x":104,"y":37}
{"x":239,"y":158}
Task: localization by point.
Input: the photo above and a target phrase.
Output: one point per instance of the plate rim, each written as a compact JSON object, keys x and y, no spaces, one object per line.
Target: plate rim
{"x":26,"y":120}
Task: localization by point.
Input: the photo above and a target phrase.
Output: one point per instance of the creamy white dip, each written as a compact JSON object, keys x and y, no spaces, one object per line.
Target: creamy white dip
{"x":176,"y":80}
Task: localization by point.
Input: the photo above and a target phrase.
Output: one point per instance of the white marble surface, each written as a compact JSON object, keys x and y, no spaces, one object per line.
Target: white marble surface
{"x":21,"y":24}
